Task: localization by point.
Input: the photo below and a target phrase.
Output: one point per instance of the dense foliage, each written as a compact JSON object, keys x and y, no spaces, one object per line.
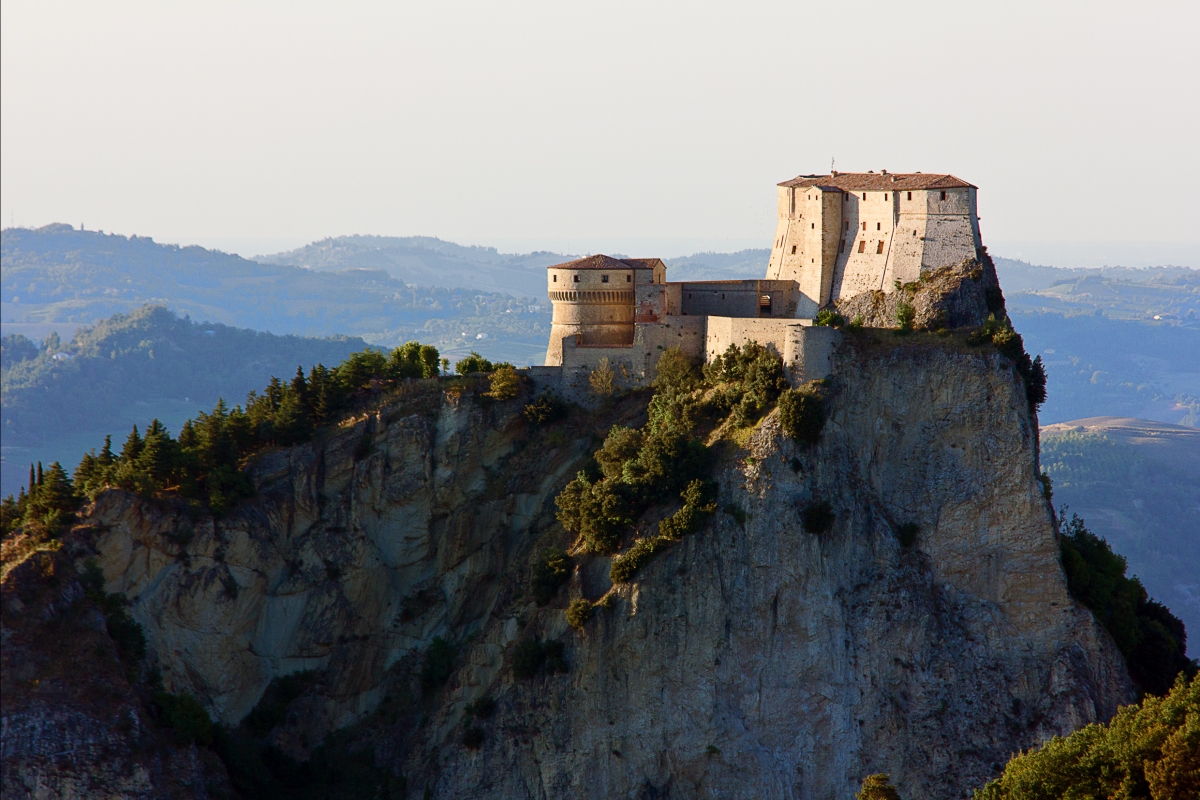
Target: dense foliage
{"x":1152,"y":639}
{"x":1010,"y":344}
{"x":551,"y":570}
{"x":802,"y":413}
{"x":148,"y":356}
{"x":1149,"y":750}
{"x":204,"y":463}
{"x":877,"y":787}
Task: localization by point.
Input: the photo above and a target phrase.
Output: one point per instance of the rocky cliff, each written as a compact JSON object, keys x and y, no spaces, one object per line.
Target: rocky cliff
{"x":753,"y":659}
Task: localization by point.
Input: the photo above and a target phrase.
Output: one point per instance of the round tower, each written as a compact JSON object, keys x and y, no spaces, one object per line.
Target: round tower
{"x":593,"y":300}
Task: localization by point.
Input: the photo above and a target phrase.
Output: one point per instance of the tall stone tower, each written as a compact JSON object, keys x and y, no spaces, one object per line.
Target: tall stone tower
{"x":846,"y":233}
{"x":594,"y":300}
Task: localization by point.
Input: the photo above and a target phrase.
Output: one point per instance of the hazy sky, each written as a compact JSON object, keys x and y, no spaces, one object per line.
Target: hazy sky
{"x":651,"y":128}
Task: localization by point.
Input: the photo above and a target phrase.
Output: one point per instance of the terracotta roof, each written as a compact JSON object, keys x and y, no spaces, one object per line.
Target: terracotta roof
{"x":878,"y":181}
{"x":607,"y":262}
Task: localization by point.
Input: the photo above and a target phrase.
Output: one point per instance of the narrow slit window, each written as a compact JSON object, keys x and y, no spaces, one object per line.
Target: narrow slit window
{"x":793,"y":249}
{"x":812,"y":225}
{"x":885,"y":196}
{"x":864,"y":226}
{"x":910,"y":195}
{"x":629,"y":279}
{"x":862,"y":246}
{"x":943,"y":195}
{"x":878,"y":226}
{"x":879,"y":248}
{"x":555,"y":279}
{"x":864,"y":195}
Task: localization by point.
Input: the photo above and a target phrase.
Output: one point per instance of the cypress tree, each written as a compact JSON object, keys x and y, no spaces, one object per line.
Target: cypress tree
{"x":39,"y":474}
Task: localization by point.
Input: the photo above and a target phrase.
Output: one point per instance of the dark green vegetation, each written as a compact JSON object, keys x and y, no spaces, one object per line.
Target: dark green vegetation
{"x":638,"y":468}
{"x":802,"y":413}
{"x":551,"y":570}
{"x":204,"y":464}
{"x":1151,"y":638}
{"x":1137,"y":483}
{"x":1010,"y":344}
{"x":130,"y":367}
{"x":531,"y":655}
{"x":1149,"y":750}
{"x":877,"y":787}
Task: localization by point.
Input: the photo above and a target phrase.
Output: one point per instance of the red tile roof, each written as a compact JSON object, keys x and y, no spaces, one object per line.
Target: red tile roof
{"x":879,"y":181}
{"x":607,"y":262}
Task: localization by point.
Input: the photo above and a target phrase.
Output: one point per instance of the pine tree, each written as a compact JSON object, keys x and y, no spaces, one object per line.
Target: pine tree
{"x":106,"y":457}
{"x":156,"y":461}
{"x":132,"y":448}
{"x":291,"y":421}
{"x":56,"y":492}
{"x":299,"y":387}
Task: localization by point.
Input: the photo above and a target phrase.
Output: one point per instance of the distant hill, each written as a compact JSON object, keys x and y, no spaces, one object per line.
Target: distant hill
{"x":56,"y":274}
{"x":426,"y":261}
{"x":1136,"y":483}
{"x":1170,"y":294}
{"x":128,"y":369}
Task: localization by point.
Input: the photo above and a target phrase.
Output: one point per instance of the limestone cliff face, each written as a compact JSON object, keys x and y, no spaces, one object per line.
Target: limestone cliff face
{"x":751,"y":660}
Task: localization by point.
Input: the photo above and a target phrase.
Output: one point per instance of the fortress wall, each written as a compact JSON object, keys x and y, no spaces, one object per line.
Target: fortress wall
{"x":805,"y":349}
{"x":810,"y":352}
{"x":864,"y":259}
{"x":729,"y":298}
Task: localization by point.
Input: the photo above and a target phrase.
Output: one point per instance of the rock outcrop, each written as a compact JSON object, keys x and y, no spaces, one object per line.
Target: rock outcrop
{"x":958,"y":296}
{"x":751,"y":660}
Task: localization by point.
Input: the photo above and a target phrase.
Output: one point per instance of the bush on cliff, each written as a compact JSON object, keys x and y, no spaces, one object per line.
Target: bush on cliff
{"x":877,"y":787}
{"x":802,"y":413}
{"x":1148,"y":750}
{"x":1152,"y":639}
{"x":551,"y":570}
{"x":578,"y":613}
{"x":1010,"y":344}
{"x":747,"y":381}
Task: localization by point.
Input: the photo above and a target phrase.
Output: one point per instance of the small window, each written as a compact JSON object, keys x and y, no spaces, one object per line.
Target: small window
{"x":885,"y":195}
{"x":604,"y":279}
{"x":812,"y":225}
{"x":862,"y":246}
{"x":910,"y":195}
{"x":629,"y":279}
{"x":864,"y":226}
{"x":576,"y":277}
{"x":878,"y":226}
{"x":864,"y":195}
{"x":793,"y":249}
{"x":879,"y":248}
{"x":943,"y":195}
{"x":555,"y":279}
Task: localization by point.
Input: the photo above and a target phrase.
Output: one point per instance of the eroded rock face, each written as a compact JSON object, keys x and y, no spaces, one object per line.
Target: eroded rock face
{"x":958,"y":296}
{"x":751,"y":660}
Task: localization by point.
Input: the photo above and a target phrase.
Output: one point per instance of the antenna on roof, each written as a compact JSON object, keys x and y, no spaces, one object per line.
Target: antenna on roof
{"x":832,"y":171}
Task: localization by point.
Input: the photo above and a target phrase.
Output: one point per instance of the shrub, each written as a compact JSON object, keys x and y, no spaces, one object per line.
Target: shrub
{"x":504,"y":383}
{"x":439,"y":663}
{"x":528,"y":659}
{"x":626,"y":565}
{"x":830,"y":318}
{"x":1010,"y":344}
{"x":473,"y":363}
{"x":817,"y":517}
{"x":596,"y":511}
{"x":696,"y":506}
{"x":752,"y":379}
{"x":578,"y":613}
{"x":556,"y":659}
{"x":905,"y":314}
{"x":1047,"y":486}
{"x":551,"y":570}
{"x":675,"y":373}
{"x":877,"y":787}
{"x":184,"y":714}
{"x":545,"y":409}
{"x":1153,"y":641}
{"x":603,"y":379}
{"x":802,"y":414}
{"x":906,"y":533}
{"x":483,"y":708}
{"x":472,"y":738}
{"x":1148,"y":750}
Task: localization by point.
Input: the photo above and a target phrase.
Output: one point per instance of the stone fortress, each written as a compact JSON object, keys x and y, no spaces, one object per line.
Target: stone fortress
{"x":838,"y":235}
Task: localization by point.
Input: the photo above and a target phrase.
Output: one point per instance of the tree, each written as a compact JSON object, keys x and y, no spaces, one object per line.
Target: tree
{"x":292,"y":424}
{"x":473,"y":363}
{"x":505,"y":383}
{"x":132,"y":448}
{"x":602,"y":378}
{"x":56,"y":492}
{"x":877,"y":787}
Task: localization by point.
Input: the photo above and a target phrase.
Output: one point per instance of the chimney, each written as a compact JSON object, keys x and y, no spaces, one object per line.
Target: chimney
{"x":883,"y":172}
